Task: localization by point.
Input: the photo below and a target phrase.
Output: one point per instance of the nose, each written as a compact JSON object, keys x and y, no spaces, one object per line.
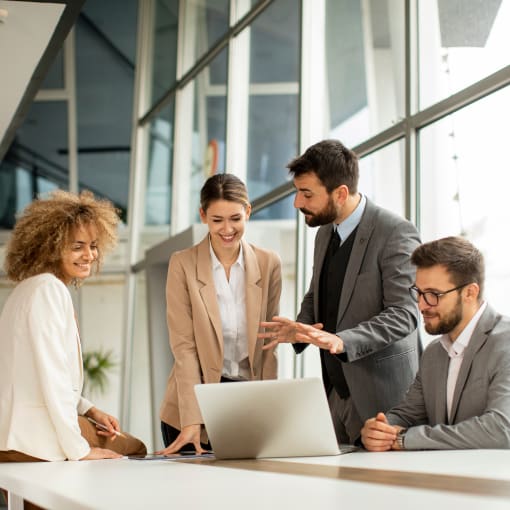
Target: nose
{"x":297,"y":201}
{"x":422,"y":304}
{"x":88,"y":253}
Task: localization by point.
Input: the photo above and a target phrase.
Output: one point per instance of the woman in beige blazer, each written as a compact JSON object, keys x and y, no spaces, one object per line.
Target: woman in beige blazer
{"x":218,"y":292}
{"x":56,"y":242}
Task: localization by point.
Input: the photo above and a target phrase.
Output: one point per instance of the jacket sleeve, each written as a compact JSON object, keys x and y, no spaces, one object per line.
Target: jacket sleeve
{"x":50,"y":310}
{"x":489,"y":430}
{"x":269,"y":363}
{"x":182,"y":342}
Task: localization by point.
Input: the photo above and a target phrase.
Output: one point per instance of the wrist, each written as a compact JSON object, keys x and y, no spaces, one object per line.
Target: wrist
{"x":400,"y":440}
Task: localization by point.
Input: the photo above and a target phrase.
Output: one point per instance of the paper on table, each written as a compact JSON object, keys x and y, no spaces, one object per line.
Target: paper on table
{"x":174,"y":456}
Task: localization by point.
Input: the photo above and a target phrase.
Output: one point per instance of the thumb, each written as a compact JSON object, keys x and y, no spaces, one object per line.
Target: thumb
{"x":381,"y":417}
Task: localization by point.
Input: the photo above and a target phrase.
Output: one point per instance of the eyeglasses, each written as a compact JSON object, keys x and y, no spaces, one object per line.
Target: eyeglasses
{"x":431,"y":297}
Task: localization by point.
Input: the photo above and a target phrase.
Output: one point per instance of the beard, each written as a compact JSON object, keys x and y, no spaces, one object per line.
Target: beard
{"x":327,"y":215}
{"x":448,"y":322}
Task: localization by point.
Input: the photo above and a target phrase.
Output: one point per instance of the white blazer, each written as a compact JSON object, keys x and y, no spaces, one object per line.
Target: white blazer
{"x":41,"y":372}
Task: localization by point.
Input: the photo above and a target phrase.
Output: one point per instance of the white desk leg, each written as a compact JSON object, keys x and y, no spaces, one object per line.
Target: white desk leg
{"x":14,"y":502}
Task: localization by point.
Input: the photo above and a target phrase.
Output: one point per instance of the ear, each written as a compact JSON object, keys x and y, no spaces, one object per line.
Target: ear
{"x":248,"y":211}
{"x":340,"y":193}
{"x":473,"y":291}
{"x":203,"y":216}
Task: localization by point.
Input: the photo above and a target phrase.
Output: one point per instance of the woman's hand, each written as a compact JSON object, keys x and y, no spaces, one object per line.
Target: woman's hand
{"x":101,"y":453}
{"x":110,"y":423}
{"x":189,"y":434}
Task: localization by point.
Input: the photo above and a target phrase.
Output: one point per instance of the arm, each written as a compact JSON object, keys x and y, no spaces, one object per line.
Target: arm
{"x":49,"y":315}
{"x":489,"y":430}
{"x":186,"y":362}
{"x":398,"y":316}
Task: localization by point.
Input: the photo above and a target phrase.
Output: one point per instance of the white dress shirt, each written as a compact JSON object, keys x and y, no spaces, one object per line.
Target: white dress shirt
{"x":456,"y":351}
{"x":231,"y":296}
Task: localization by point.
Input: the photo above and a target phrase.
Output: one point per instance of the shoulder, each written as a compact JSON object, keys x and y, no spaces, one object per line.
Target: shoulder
{"x":385,"y":218}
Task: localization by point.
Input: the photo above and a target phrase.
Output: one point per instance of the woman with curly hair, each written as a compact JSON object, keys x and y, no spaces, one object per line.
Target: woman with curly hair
{"x":57,"y":241}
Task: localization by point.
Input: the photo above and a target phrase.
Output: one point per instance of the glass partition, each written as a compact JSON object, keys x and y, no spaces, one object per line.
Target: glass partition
{"x":464,"y":185}
{"x":273,"y":98}
{"x":364,"y":52}
{"x":460,"y":43}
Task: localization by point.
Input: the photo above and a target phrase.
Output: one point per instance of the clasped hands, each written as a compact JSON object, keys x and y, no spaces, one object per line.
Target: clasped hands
{"x":282,"y":330}
{"x":377,"y":435}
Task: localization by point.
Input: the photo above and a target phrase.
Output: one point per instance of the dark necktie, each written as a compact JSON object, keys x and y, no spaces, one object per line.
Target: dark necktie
{"x":335,"y":241}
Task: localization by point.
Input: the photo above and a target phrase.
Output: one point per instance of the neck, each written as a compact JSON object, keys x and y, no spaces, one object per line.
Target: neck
{"x":227,"y":256}
{"x":350,"y":204}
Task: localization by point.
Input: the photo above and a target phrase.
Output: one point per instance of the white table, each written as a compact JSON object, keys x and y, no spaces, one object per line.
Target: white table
{"x":470,"y":480}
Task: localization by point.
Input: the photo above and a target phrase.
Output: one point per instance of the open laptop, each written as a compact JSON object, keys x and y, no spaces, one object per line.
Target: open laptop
{"x":275,"y":418}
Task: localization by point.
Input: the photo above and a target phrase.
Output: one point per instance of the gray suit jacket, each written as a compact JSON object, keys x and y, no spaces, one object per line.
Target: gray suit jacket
{"x":480,"y":416}
{"x":377,"y":319}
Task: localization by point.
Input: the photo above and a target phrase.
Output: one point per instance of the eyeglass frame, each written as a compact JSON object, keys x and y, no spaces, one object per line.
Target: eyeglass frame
{"x":416,"y":293}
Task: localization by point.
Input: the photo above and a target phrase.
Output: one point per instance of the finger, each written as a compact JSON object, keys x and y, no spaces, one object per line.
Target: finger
{"x":381,"y":417}
{"x":270,"y":345}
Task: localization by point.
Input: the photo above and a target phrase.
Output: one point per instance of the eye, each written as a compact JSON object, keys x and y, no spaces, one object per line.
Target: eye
{"x":307,"y":195}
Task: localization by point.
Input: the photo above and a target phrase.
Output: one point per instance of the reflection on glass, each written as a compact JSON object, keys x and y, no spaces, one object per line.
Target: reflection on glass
{"x":37,"y":160}
{"x":164,"y":57}
{"x":158,"y":201}
{"x":460,"y":43}
{"x":364,"y":67}
{"x":209,"y":127}
{"x":382,"y":177}
{"x":274,"y":98}
{"x":464,"y":185}
{"x":105,"y":69}
{"x":205,"y":23}
{"x":279,"y":236}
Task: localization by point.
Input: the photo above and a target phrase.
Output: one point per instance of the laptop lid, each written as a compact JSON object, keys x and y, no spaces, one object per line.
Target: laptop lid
{"x":272,"y":418}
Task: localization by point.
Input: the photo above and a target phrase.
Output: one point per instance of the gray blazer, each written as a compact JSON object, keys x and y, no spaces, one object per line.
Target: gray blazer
{"x":377,"y":319}
{"x":480,"y":416}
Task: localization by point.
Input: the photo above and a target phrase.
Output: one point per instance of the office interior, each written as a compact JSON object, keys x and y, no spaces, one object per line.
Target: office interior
{"x":140,"y":101}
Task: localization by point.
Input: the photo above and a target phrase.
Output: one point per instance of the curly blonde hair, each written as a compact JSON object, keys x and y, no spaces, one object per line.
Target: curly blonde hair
{"x":44,"y":230}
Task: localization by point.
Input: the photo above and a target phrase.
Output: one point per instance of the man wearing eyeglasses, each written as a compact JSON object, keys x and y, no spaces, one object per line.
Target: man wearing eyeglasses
{"x":461,"y":395}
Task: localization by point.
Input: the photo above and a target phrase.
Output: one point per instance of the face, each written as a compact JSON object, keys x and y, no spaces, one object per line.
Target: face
{"x":78,"y":257}
{"x":226,"y":221}
{"x":447,"y":317}
{"x":314,"y":201}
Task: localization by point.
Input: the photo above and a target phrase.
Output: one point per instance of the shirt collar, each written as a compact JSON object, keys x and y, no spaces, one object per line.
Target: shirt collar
{"x":216,"y":263}
{"x":462,"y":341}
{"x":346,"y":228}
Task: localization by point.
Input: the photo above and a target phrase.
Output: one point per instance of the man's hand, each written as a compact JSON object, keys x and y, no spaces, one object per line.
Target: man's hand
{"x":189,"y":434}
{"x":311,"y":334}
{"x":282,"y":330}
{"x":378,"y":435}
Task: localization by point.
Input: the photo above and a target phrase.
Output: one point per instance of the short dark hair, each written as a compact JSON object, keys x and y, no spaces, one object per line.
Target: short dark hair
{"x":332,"y":162}
{"x":223,"y":187}
{"x":461,"y":259}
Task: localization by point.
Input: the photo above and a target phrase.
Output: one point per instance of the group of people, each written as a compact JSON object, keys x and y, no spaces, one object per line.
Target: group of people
{"x":371,"y":279}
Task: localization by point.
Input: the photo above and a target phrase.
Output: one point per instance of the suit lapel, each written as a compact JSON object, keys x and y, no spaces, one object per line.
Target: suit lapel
{"x":253,"y":298}
{"x":208,"y":290}
{"x":438,"y":378}
{"x":482,"y":330}
{"x":365,"y":229}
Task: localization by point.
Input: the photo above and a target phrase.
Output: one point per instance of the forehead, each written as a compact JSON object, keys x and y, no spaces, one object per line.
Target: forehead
{"x":309,"y":181}
{"x":224,"y":208}
{"x":434,"y":277}
{"x":84,"y":233}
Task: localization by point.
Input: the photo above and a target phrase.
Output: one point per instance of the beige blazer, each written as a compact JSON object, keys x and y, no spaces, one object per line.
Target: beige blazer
{"x":194,"y":324}
{"x":41,"y":372}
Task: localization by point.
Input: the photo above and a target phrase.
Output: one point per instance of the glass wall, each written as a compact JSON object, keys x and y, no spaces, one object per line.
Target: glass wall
{"x":364,"y":53}
{"x":460,"y":43}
